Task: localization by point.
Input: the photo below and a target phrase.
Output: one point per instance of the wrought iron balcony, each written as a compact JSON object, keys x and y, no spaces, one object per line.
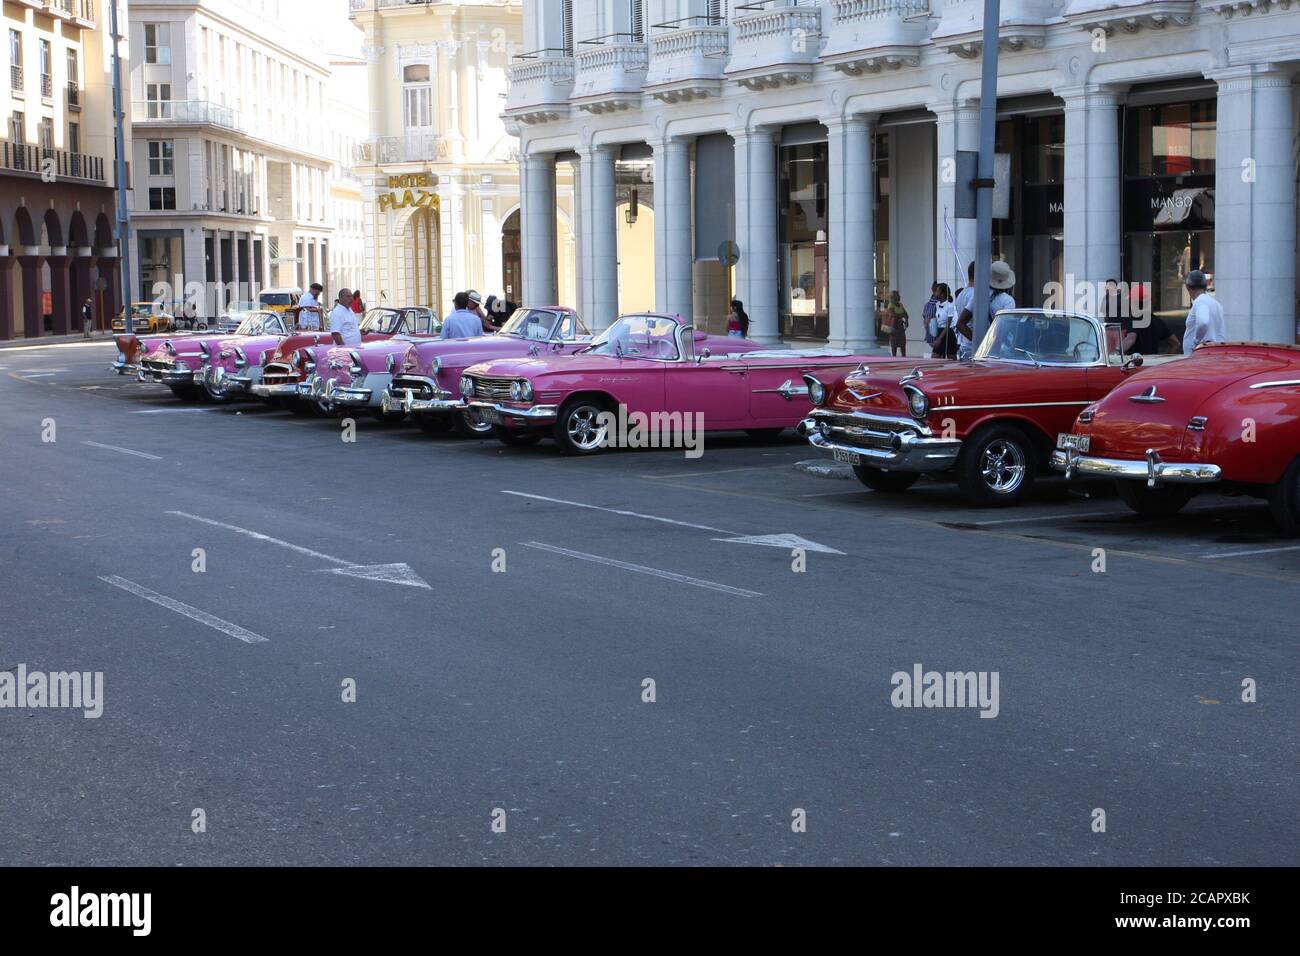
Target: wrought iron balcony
{"x":609,"y":73}
{"x":16,"y":79}
{"x":47,"y":85}
{"x":411,"y":148}
{"x":540,"y":85}
{"x":871,"y":35}
{"x":40,"y":161}
{"x":74,"y":96}
{"x":777,"y":43}
{"x":687,"y":59}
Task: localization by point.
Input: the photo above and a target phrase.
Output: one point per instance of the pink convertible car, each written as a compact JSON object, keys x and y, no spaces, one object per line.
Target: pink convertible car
{"x":179,"y":363}
{"x":650,"y":368}
{"x":426,"y":377}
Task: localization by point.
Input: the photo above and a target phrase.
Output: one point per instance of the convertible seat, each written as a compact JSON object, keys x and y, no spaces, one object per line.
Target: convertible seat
{"x":768,"y":354}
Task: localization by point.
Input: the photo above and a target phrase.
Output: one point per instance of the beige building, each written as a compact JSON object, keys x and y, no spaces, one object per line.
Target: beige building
{"x":57,"y":182}
{"x":440,"y":172}
{"x":238,"y":149}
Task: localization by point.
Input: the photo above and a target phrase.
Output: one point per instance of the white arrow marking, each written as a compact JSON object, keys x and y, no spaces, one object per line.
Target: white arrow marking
{"x":786,"y":541}
{"x":389,"y":573}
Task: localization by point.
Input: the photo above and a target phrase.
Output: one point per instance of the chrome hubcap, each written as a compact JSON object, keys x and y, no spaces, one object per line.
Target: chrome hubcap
{"x":476,"y":426}
{"x":585,"y":431}
{"x":1003,"y":466}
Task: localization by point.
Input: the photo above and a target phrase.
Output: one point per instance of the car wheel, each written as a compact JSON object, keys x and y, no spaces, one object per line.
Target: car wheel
{"x":433,"y":424}
{"x":215,"y":397}
{"x":764,"y":434}
{"x":996,"y":466}
{"x":1284,"y":499}
{"x":577,"y":429}
{"x":1165,"y":500}
{"x":384,"y":416}
{"x":888,"y":481}
{"x":466,"y":427}
{"x":301,"y":408}
{"x":515,"y":437}
{"x":186,"y":393}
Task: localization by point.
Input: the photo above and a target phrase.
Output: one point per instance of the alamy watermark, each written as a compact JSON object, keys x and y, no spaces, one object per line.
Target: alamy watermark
{"x":624,"y":429}
{"x":37,"y":690}
{"x":951,"y":689}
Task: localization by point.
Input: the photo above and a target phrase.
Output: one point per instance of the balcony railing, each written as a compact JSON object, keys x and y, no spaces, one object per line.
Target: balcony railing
{"x":47,"y":85}
{"x":16,"y":79}
{"x":687,"y":58}
{"x":610,"y":71}
{"x":776,"y":44}
{"x":870,"y":35}
{"x":38,"y":160}
{"x":540,"y":84}
{"x":74,"y":96}
{"x":411,"y":148}
{"x":85,"y":11}
{"x":187,"y":112}
{"x":60,"y":7}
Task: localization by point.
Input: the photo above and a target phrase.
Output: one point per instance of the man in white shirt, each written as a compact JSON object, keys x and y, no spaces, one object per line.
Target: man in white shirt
{"x":962,"y":309}
{"x":1205,"y":319}
{"x":308,"y":307}
{"x":343,"y":321}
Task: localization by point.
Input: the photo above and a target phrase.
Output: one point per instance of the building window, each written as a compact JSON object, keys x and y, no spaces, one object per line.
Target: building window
{"x":74,"y":80}
{"x":74,"y":138}
{"x":18,"y":127}
{"x":160,"y":157}
{"x":15,"y":61}
{"x":1032,"y":237}
{"x":802,"y":212}
{"x":47,"y":132}
{"x":162,"y":197}
{"x":417,"y":96}
{"x":158,"y":97}
{"x":47,"y":70}
{"x":636,"y":20}
{"x":566,"y":26}
{"x":157,"y":43}
{"x":717,"y":12}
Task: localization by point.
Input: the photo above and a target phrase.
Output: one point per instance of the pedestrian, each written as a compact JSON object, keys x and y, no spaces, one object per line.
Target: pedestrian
{"x":343,"y":321}
{"x":358,"y":306}
{"x":87,"y":318}
{"x":1205,"y":318}
{"x":928,"y":315}
{"x":1001,"y":281}
{"x":961,"y":325}
{"x":894,"y":320}
{"x":945,"y":318}
{"x":308,"y":310}
{"x":476,"y":306}
{"x":464,"y":322}
{"x":738,"y":318}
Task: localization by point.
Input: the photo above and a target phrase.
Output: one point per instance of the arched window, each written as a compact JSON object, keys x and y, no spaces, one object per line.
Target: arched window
{"x":417,"y":96}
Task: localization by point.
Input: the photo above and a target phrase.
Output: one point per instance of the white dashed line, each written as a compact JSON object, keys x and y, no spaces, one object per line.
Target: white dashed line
{"x":617,"y":511}
{"x":193,"y":613}
{"x":1243,"y":554}
{"x":642,"y":569}
{"x":124,"y":451}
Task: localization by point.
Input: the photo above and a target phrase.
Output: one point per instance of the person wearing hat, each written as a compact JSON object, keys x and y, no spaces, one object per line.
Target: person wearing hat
{"x":476,"y":306}
{"x":1205,"y":318}
{"x":1001,"y":281}
{"x":308,"y":310}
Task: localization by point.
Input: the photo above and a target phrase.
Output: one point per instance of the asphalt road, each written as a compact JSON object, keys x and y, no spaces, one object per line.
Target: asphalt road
{"x":522,"y":691}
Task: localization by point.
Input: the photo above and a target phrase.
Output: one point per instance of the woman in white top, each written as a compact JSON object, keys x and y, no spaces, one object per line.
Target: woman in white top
{"x":945,"y":318}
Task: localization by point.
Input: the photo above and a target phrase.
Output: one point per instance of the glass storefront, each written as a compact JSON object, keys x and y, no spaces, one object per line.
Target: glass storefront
{"x":1032,"y":238}
{"x":1168,"y":161}
{"x":803,"y":225}
{"x":881,"y":221}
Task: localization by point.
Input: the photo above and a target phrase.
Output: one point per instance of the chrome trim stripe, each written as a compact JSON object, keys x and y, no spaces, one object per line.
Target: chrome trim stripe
{"x":970,"y":408}
{"x":1279,"y":384}
{"x":793,"y":366}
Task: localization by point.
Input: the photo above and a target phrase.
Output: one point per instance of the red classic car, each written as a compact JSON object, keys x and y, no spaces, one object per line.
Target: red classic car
{"x":993,"y":421}
{"x":652,"y":372}
{"x":426,"y":377}
{"x":1228,"y":416}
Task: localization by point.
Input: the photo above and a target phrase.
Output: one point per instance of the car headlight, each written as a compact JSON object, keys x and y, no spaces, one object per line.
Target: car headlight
{"x":466,"y":386}
{"x":917,"y":402}
{"x":240,"y":357}
{"x":521,"y":390}
{"x":816,"y":390}
{"x":436,"y":367}
{"x":391,"y":362}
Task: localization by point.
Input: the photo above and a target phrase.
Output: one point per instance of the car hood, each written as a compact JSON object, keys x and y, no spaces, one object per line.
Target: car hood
{"x":531,"y":367}
{"x":418,"y":357}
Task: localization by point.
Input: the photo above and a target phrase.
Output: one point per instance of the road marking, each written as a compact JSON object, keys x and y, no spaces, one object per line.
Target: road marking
{"x":40,"y":371}
{"x":1080,"y":514}
{"x":166,"y":411}
{"x":641,"y":569}
{"x":618,"y":511}
{"x":193,"y":613}
{"x":786,"y":541}
{"x":1242,"y":554}
{"x":31,"y":375}
{"x":388,"y":573}
{"x":705,"y":474}
{"x":124,"y":451}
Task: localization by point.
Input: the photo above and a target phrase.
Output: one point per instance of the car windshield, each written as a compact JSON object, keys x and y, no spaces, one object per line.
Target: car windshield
{"x":1038,"y":337}
{"x":276,"y":298}
{"x":142,"y":311}
{"x":386,"y":321}
{"x":260,"y":323}
{"x":536,"y":324}
{"x":639,"y":336}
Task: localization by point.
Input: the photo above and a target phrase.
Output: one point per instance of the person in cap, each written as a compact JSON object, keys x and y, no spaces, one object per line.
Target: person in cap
{"x":308,"y":309}
{"x":476,"y":306}
{"x":1205,"y":318}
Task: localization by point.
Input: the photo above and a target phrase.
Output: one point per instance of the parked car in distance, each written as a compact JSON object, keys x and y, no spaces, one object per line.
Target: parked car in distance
{"x":652,"y":365}
{"x":180,"y":362}
{"x":1225,"y":417}
{"x":279,"y":298}
{"x":426,"y":376}
{"x":146,"y":317}
{"x":235,"y":313}
{"x":992,"y":422}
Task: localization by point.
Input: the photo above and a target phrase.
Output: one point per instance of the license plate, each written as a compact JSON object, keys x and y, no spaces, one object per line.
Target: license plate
{"x":488,"y":416}
{"x":1077,"y":442}
{"x":848,"y":457}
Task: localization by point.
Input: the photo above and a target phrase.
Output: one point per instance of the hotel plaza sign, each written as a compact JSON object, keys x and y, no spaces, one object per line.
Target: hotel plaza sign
{"x":410,"y":191}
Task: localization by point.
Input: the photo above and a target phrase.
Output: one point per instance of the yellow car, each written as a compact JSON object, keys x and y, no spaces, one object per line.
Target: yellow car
{"x":146,"y":317}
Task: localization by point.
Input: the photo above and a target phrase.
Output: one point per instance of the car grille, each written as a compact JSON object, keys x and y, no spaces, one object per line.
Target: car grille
{"x":865,"y":433}
{"x":492,"y":388}
{"x":158,"y":365}
{"x":277,"y":373}
{"x":420,"y":388}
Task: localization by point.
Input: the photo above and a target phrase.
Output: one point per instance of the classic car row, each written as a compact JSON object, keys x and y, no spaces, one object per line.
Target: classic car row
{"x":1045,"y":390}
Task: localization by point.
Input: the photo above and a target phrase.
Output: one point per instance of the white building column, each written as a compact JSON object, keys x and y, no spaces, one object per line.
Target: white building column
{"x":674,"y":248}
{"x":957,"y":128}
{"x":599,"y":236}
{"x":851,"y":249}
{"x":537,"y":228}
{"x":1093,"y":219}
{"x":1254,"y":198}
{"x":757,"y":272}
{"x":217,"y":302}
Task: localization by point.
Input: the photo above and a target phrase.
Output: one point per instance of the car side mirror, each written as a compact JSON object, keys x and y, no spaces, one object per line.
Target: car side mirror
{"x":1134,"y":361}
{"x":702,"y":354}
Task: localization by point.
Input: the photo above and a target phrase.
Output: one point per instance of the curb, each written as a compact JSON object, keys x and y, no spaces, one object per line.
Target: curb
{"x":45,"y":341}
{"x":824,"y":468}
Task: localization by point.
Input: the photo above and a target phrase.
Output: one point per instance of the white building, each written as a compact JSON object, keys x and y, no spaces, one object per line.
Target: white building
{"x":440,"y":172}
{"x":236,"y":146}
{"x":1144,"y":139}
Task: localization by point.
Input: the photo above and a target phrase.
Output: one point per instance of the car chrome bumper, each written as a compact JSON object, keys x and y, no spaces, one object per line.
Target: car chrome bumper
{"x":900,"y":450}
{"x":403,"y":400}
{"x":330,"y":392}
{"x":1149,"y":469}
{"x":124,"y":368}
{"x":225,"y":383}
{"x":279,"y":390}
{"x":179,"y":375}
{"x":494,"y":413}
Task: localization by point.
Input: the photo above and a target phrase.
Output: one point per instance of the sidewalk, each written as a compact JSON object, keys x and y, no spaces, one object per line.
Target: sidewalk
{"x":44,"y":340}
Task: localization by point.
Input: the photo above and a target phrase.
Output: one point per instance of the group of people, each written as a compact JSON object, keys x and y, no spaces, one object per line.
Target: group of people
{"x":343,"y":317}
{"x":471,"y":315}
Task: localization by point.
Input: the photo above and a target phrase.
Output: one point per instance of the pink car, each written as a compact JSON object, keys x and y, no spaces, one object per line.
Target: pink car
{"x":179,"y":363}
{"x":651,"y":367}
{"x":426,"y":378}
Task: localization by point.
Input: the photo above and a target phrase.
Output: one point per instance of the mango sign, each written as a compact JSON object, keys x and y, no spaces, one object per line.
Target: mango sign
{"x":408,"y":191}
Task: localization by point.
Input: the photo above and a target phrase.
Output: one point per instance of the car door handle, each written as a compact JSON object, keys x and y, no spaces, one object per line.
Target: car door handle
{"x":788,"y":390}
